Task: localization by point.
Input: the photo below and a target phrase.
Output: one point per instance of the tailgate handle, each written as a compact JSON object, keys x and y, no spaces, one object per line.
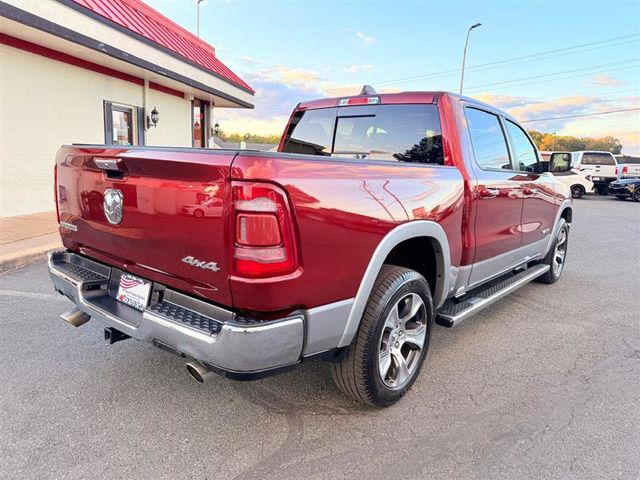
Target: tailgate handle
{"x":113,"y":167}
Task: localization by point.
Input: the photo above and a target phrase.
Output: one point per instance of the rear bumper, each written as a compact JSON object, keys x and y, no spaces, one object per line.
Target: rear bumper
{"x":621,"y":189}
{"x":602,"y":179}
{"x":177,"y":322}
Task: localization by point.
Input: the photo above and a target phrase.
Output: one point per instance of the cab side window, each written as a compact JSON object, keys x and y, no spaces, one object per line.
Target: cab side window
{"x":524,"y":152}
{"x":488,"y":140}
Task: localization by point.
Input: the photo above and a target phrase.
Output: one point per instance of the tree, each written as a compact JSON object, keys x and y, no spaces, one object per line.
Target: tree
{"x":550,"y":141}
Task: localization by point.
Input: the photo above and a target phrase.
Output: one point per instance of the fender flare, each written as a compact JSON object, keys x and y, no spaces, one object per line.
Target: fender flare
{"x":568,"y":203}
{"x":406,"y":231}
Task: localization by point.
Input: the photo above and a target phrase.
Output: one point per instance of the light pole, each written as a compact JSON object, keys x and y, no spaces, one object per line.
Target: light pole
{"x":464,"y":54}
{"x":198,"y":2}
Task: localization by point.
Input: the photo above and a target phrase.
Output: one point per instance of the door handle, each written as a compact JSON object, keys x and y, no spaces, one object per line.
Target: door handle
{"x":529,"y":191}
{"x":488,"y":192}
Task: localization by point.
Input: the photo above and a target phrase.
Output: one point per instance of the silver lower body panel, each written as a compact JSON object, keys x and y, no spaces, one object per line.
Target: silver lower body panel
{"x":187,"y":325}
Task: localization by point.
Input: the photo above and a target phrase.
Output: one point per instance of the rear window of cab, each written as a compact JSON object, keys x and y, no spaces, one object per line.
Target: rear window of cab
{"x":402,"y":133}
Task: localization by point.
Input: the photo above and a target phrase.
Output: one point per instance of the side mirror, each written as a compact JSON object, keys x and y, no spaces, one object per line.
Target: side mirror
{"x":560,"y":162}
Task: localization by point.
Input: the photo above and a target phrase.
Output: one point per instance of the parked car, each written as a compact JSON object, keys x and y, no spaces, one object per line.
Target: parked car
{"x":210,"y":207}
{"x":577,"y":182}
{"x":628,"y":166}
{"x":626,"y":188}
{"x":379,"y":215}
{"x":601,"y":166}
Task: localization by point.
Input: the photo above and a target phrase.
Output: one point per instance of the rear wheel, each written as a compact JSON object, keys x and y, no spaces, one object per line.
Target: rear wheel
{"x":557,"y":255}
{"x":577,"y":191}
{"x":390,"y":346}
{"x":603,"y":190}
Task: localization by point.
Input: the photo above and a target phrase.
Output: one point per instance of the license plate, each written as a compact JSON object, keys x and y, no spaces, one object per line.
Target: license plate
{"x":596,"y":179}
{"x":134,"y":291}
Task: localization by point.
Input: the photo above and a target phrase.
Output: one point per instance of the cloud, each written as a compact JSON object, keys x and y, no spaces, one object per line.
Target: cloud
{"x":365,"y":38}
{"x":278,"y":91}
{"x":301,"y":78}
{"x":251,"y":61}
{"x":329,"y":89}
{"x":604,"y":80}
{"x":503,"y":101}
{"x":356,"y":68}
{"x":623,"y":126}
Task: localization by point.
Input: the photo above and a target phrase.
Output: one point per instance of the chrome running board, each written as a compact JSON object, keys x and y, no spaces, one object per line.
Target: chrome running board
{"x":455,"y":311}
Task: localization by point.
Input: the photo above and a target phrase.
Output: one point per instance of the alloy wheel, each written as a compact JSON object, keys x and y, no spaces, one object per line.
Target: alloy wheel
{"x":402,"y":340}
{"x":560,"y":253}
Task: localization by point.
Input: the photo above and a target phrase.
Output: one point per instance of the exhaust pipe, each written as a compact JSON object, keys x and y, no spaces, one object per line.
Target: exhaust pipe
{"x":75,"y":317}
{"x":199,"y":372}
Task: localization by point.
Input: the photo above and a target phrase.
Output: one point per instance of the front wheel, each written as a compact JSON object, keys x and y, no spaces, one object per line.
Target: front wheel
{"x":390,"y":346}
{"x":557,"y":255}
{"x":577,"y":191}
{"x":636,"y":196}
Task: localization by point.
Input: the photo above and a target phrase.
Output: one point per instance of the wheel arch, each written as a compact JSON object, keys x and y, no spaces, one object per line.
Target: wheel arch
{"x":565,"y":211}
{"x":567,"y":214}
{"x":396,"y":245}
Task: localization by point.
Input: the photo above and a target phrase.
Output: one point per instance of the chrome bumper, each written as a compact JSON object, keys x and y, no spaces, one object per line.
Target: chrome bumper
{"x":178,"y":322}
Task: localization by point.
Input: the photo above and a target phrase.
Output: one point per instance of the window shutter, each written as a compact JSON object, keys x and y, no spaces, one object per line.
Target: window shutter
{"x":108,"y":123}
{"x":141,"y":121}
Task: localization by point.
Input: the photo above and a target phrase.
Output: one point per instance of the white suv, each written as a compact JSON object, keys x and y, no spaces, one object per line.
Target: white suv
{"x":600,"y":166}
{"x":578,"y":182}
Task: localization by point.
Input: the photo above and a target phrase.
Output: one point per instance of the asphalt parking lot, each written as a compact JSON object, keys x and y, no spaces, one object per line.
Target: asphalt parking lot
{"x":544,"y":384}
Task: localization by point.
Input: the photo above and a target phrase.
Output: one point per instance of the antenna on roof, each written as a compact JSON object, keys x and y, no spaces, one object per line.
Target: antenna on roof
{"x":368,"y":90}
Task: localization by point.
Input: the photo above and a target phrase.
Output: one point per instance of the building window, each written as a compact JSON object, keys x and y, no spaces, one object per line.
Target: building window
{"x":199,"y":123}
{"x":122,"y":120}
{"x":123,"y":124}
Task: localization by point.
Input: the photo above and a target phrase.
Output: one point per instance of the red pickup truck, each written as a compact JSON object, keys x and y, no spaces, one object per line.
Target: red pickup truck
{"x":380,"y":215}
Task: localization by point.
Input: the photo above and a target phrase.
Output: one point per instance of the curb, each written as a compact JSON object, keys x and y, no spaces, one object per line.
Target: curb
{"x":28,"y":255}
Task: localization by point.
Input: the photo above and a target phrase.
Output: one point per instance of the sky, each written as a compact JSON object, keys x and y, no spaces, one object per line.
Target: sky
{"x":535,"y":59}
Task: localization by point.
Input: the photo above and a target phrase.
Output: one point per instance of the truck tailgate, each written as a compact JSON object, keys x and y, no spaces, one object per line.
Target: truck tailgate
{"x":172,"y":229}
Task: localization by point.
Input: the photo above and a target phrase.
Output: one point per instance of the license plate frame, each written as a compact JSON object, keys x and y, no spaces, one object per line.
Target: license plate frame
{"x":596,"y":179}
{"x":134,"y":291}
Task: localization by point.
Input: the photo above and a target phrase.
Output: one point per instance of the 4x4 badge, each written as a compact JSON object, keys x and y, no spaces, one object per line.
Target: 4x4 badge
{"x":194,"y":262}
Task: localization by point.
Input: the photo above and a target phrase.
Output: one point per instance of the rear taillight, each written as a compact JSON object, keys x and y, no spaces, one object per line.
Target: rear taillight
{"x":616,"y":171}
{"x":625,"y":169}
{"x":263,"y":233}
{"x":55,"y":191}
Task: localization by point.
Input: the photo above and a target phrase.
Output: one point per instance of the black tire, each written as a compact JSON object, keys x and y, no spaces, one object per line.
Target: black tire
{"x":577,"y":191}
{"x":357,"y":374}
{"x":198,"y":213}
{"x":603,"y":190}
{"x":621,"y":197}
{"x":636,"y":196}
{"x":552,"y":276}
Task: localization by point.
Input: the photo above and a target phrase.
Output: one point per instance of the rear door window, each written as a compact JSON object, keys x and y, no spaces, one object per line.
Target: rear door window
{"x":597,"y":159}
{"x":488,"y":140}
{"x":405,"y":133}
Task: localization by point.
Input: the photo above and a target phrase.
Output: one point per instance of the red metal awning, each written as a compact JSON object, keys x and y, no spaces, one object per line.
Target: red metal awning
{"x":138,"y":17}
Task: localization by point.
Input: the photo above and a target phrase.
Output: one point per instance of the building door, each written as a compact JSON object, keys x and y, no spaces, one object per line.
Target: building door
{"x":199,"y":123}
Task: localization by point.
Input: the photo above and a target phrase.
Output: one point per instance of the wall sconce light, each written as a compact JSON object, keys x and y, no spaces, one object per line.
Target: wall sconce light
{"x":216,"y":129}
{"x":152,"y":120}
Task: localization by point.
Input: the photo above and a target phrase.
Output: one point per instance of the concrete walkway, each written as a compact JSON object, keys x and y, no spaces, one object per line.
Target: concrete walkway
{"x":26,"y":238}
